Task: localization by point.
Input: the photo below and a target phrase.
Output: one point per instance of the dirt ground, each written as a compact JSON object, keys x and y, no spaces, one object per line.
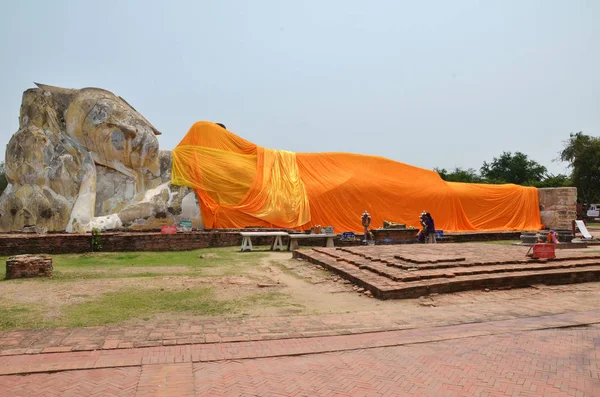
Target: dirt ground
{"x":308,"y":289}
{"x":313,"y":291}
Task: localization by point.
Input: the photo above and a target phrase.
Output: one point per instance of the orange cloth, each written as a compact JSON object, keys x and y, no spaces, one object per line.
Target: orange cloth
{"x":241,"y":184}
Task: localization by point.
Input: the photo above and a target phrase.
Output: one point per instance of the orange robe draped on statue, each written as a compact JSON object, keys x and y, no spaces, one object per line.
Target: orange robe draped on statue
{"x":240,"y":184}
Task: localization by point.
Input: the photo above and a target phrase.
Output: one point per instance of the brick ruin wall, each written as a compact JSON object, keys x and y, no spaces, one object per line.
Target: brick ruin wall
{"x":16,"y":244}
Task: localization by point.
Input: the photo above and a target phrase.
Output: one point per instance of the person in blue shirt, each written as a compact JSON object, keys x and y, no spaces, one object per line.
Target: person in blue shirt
{"x":430,"y":229}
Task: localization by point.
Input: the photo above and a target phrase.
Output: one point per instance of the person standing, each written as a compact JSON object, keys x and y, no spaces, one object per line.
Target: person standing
{"x":430,"y":229}
{"x":422,"y":235}
{"x":366,"y":222}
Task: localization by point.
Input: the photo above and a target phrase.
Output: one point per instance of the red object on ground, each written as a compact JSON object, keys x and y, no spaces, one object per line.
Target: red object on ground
{"x":168,"y":229}
{"x":544,"y":251}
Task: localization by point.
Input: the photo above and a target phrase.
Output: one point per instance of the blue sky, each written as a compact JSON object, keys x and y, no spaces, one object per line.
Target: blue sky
{"x":428,"y":83}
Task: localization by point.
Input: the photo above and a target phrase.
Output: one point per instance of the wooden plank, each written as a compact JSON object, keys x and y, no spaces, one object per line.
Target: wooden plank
{"x":297,"y":236}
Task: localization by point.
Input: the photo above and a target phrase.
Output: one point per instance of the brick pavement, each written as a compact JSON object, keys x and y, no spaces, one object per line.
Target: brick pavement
{"x":100,"y":382}
{"x":61,"y":361}
{"x":541,"y":363}
{"x":410,"y":271}
{"x":502,"y":358}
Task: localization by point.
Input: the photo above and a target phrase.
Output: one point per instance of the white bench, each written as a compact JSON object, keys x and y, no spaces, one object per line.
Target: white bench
{"x":277,"y":242}
{"x":293,"y":245}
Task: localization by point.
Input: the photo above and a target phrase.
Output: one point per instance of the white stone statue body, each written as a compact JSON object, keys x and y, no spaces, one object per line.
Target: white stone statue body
{"x":85,"y":158}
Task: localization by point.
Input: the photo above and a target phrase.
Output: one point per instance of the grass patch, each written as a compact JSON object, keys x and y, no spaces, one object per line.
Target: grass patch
{"x":3,"y":267}
{"x":212,"y":258}
{"x":100,"y":273}
{"x":20,"y":316}
{"x":121,"y":306}
{"x":117,"y":307}
{"x":213,"y":262}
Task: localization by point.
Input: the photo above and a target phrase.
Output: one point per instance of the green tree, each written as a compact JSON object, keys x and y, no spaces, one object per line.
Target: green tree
{"x":560,"y":180}
{"x":517,"y":169}
{"x":459,"y":175}
{"x":3,"y":180}
{"x":582,"y":152}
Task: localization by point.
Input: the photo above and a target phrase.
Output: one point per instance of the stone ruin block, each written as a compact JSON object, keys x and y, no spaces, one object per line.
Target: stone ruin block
{"x":558,"y":207}
{"x":25,"y":266}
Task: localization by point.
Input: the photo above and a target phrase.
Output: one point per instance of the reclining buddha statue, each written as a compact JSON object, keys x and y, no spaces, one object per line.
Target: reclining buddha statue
{"x":85,"y":158}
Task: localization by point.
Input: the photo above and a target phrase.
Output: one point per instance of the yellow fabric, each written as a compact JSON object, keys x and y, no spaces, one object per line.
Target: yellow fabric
{"x":240,"y":184}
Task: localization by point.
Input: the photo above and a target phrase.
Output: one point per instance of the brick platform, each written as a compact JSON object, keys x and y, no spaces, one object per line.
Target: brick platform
{"x":410,"y":271}
{"x":24,"y":266}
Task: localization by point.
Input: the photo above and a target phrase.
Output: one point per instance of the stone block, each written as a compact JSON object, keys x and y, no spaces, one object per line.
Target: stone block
{"x":558,"y":207}
{"x":25,"y":266}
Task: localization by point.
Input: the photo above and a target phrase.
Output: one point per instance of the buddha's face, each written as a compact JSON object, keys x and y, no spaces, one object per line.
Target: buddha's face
{"x":108,"y":126}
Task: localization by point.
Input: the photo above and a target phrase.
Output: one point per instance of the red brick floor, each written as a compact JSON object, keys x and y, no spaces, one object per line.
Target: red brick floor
{"x":100,"y":382}
{"x":540,"y":363}
{"x":538,"y":356}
